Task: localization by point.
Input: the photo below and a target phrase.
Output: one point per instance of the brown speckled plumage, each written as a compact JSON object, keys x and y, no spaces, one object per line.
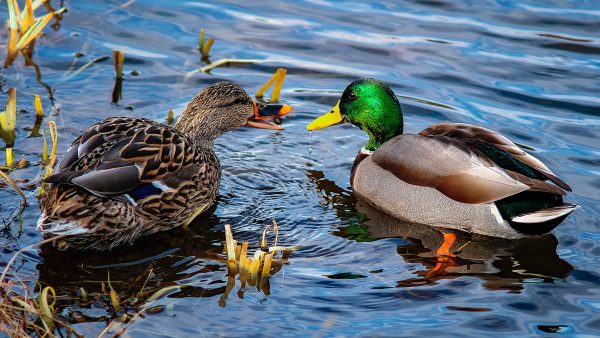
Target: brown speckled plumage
{"x":128,"y":177}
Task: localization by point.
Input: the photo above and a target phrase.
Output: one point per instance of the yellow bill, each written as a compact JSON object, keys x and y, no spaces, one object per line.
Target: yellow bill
{"x":326,"y":120}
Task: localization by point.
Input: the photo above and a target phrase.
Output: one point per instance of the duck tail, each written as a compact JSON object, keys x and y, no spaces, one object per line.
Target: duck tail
{"x":57,"y":227}
{"x":543,"y":220}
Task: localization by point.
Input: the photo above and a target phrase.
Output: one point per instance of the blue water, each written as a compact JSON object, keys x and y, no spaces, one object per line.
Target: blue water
{"x":528,"y":69}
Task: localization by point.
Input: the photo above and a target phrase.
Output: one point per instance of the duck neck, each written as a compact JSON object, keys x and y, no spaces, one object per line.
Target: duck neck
{"x":198,"y":128}
{"x":383,"y":132}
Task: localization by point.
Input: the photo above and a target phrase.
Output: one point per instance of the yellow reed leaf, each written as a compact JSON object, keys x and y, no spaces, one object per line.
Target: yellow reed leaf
{"x":201,"y":40}
{"x":13,"y":14}
{"x":8,"y":118}
{"x":223,"y":62}
{"x":276,"y":230}
{"x":54,"y":137}
{"x":44,"y":149}
{"x":231,"y":262}
{"x":156,"y":295}
{"x":207,"y":46}
{"x":277,"y":82}
{"x":119,"y":58}
{"x":52,"y":161}
{"x":263,"y":242}
{"x":263,"y":89}
{"x":170,"y":117}
{"x":243,"y":256}
{"x":8,"y":124}
{"x":267,"y":265}
{"x":45,"y":308}
{"x":29,"y":18}
{"x":114,"y":297}
{"x":281,"y":72}
{"x":9,"y":157}
{"x":35,"y":5}
{"x":36,"y":29}
{"x":37,"y":102}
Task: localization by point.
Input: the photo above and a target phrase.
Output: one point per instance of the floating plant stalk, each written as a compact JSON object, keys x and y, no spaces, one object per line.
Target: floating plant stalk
{"x":170,"y":118}
{"x":231,"y":262}
{"x":8,"y":124}
{"x":52,"y":161}
{"x":47,"y":309}
{"x":19,"y":307}
{"x":204,"y":47}
{"x":224,"y":62}
{"x":37,"y":102}
{"x":114,"y":296}
{"x":254,"y":270}
{"x":119,"y":57}
{"x":267,"y":265}
{"x":39,"y":117}
{"x":277,"y":82}
{"x":44,"y":149}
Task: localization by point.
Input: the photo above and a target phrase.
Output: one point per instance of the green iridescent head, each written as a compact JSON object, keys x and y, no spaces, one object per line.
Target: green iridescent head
{"x":370,"y":105}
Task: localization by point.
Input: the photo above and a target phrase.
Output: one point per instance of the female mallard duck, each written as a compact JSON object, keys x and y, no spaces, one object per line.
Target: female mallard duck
{"x":450,"y":175}
{"x":128,"y":177}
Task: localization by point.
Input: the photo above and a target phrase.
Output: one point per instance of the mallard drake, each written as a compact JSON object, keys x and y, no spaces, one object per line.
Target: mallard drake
{"x":128,"y":177}
{"x":450,"y":175}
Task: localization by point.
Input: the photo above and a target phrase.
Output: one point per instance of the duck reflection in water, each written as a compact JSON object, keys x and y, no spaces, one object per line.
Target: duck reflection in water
{"x":500,"y":263}
{"x":189,"y":257}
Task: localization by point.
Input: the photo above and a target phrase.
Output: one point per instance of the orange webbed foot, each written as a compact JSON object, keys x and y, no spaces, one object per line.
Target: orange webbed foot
{"x":444,"y":249}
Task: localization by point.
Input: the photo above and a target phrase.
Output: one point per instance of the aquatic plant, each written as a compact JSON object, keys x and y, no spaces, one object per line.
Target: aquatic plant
{"x":119,"y":58}
{"x":8,"y":125}
{"x":22,"y":313}
{"x":224,"y":62}
{"x":51,"y":162}
{"x":24,"y":28}
{"x":253,"y":270}
{"x":204,"y":47}
{"x":170,"y":117}
{"x":277,"y":82}
{"x":39,"y":117}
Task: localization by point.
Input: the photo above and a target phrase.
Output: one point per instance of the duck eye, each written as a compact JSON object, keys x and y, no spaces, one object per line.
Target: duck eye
{"x":352,"y":96}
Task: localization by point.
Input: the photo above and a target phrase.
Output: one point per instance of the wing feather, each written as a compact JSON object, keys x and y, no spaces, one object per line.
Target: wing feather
{"x":468,"y":133}
{"x":119,"y":154}
{"x":452,"y":167}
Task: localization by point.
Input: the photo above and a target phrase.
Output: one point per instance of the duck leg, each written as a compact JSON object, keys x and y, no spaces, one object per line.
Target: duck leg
{"x":444,"y":257}
{"x":444,"y":249}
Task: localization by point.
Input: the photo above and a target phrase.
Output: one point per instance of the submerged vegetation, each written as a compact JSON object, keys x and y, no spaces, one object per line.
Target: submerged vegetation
{"x":253,"y":270}
{"x":119,"y":59}
{"x":23,"y":311}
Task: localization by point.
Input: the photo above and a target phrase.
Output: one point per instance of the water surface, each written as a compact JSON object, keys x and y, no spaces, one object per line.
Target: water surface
{"x":529,"y":69}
